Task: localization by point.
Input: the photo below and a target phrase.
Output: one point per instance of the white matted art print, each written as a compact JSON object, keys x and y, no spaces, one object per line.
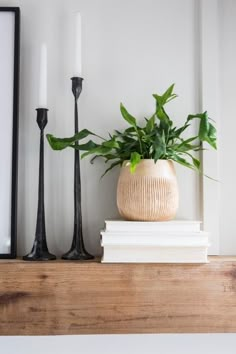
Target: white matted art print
{"x":9,"y":83}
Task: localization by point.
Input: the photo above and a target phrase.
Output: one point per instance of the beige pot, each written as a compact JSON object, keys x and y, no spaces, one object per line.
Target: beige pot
{"x":149,"y":194}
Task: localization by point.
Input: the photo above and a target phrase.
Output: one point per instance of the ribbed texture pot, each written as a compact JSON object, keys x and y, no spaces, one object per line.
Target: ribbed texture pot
{"x":149,"y":194}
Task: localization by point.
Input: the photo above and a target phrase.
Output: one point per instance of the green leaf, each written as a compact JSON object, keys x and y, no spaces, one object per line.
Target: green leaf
{"x":182,"y":161}
{"x":167,"y":96}
{"x":85,"y":147}
{"x":207,"y":132}
{"x":128,"y":139}
{"x":212,"y":135}
{"x":187,"y":141}
{"x":161,"y":114}
{"x":159,"y":100}
{"x":130,"y":130}
{"x":62,"y":143}
{"x":195,"y":161}
{"x":208,"y":135}
{"x":130,"y":119}
{"x":168,"y":92}
{"x":177,"y":132}
{"x":100,"y":150}
{"x":166,"y":123}
{"x":134,"y":160}
{"x":203,"y":128}
{"x":111,"y":144}
{"x":150,"y":124}
{"x":111,"y":167}
{"x":107,"y":157}
{"x":159,"y":147}
{"x":192,"y":116}
{"x":118,"y":132}
{"x":186,"y":146}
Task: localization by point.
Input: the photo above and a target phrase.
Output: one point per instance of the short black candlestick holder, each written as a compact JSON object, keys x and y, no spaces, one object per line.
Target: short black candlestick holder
{"x":77,"y":250}
{"x":40,"y":250}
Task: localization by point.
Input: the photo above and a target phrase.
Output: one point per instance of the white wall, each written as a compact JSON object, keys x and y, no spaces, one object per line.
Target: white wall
{"x":228,"y":124}
{"x":130,"y":50}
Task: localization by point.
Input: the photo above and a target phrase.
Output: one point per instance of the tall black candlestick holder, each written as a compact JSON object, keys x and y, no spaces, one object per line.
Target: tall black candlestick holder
{"x":77,"y":250}
{"x":40,"y":250}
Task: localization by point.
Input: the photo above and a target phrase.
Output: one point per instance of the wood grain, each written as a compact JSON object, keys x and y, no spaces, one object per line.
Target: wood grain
{"x":59,"y":297}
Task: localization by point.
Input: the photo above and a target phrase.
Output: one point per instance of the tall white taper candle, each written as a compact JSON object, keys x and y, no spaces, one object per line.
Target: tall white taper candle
{"x":43,"y":77}
{"x":78,"y":45}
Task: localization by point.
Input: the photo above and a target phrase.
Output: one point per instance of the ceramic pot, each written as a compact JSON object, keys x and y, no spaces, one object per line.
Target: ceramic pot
{"x":150,"y":193}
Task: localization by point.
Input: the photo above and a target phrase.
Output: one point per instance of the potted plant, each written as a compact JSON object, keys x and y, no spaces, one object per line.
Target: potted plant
{"x":147,"y":186}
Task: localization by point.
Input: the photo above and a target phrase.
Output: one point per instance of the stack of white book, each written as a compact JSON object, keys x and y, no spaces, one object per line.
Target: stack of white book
{"x":178,"y":241}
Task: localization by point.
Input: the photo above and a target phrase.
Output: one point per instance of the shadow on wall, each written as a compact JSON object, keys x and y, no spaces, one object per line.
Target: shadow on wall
{"x":104,"y":207}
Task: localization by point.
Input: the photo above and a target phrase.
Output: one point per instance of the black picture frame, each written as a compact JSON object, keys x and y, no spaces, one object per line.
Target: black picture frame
{"x":14,"y":154}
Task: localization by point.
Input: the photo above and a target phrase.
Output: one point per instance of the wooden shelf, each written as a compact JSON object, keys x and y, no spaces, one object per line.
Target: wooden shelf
{"x":86,"y":298}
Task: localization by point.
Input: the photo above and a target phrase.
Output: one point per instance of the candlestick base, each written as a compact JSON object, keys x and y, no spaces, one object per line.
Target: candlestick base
{"x":77,"y":255}
{"x":39,"y":254}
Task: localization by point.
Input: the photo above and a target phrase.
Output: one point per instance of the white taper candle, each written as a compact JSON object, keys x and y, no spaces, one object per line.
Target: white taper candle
{"x":43,"y":77}
{"x":78,"y":45}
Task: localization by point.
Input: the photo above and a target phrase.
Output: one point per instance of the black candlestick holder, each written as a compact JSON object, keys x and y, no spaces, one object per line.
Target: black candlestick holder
{"x":77,"y":250}
{"x":40,"y":250}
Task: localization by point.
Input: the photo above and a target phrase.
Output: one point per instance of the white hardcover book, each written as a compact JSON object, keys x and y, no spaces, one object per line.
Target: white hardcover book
{"x":124,"y":254}
{"x":150,"y":226}
{"x":155,"y":238}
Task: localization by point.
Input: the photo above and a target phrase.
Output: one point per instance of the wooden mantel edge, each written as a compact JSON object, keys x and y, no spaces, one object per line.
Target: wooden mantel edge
{"x":211,"y":259}
{"x":65,"y":298}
